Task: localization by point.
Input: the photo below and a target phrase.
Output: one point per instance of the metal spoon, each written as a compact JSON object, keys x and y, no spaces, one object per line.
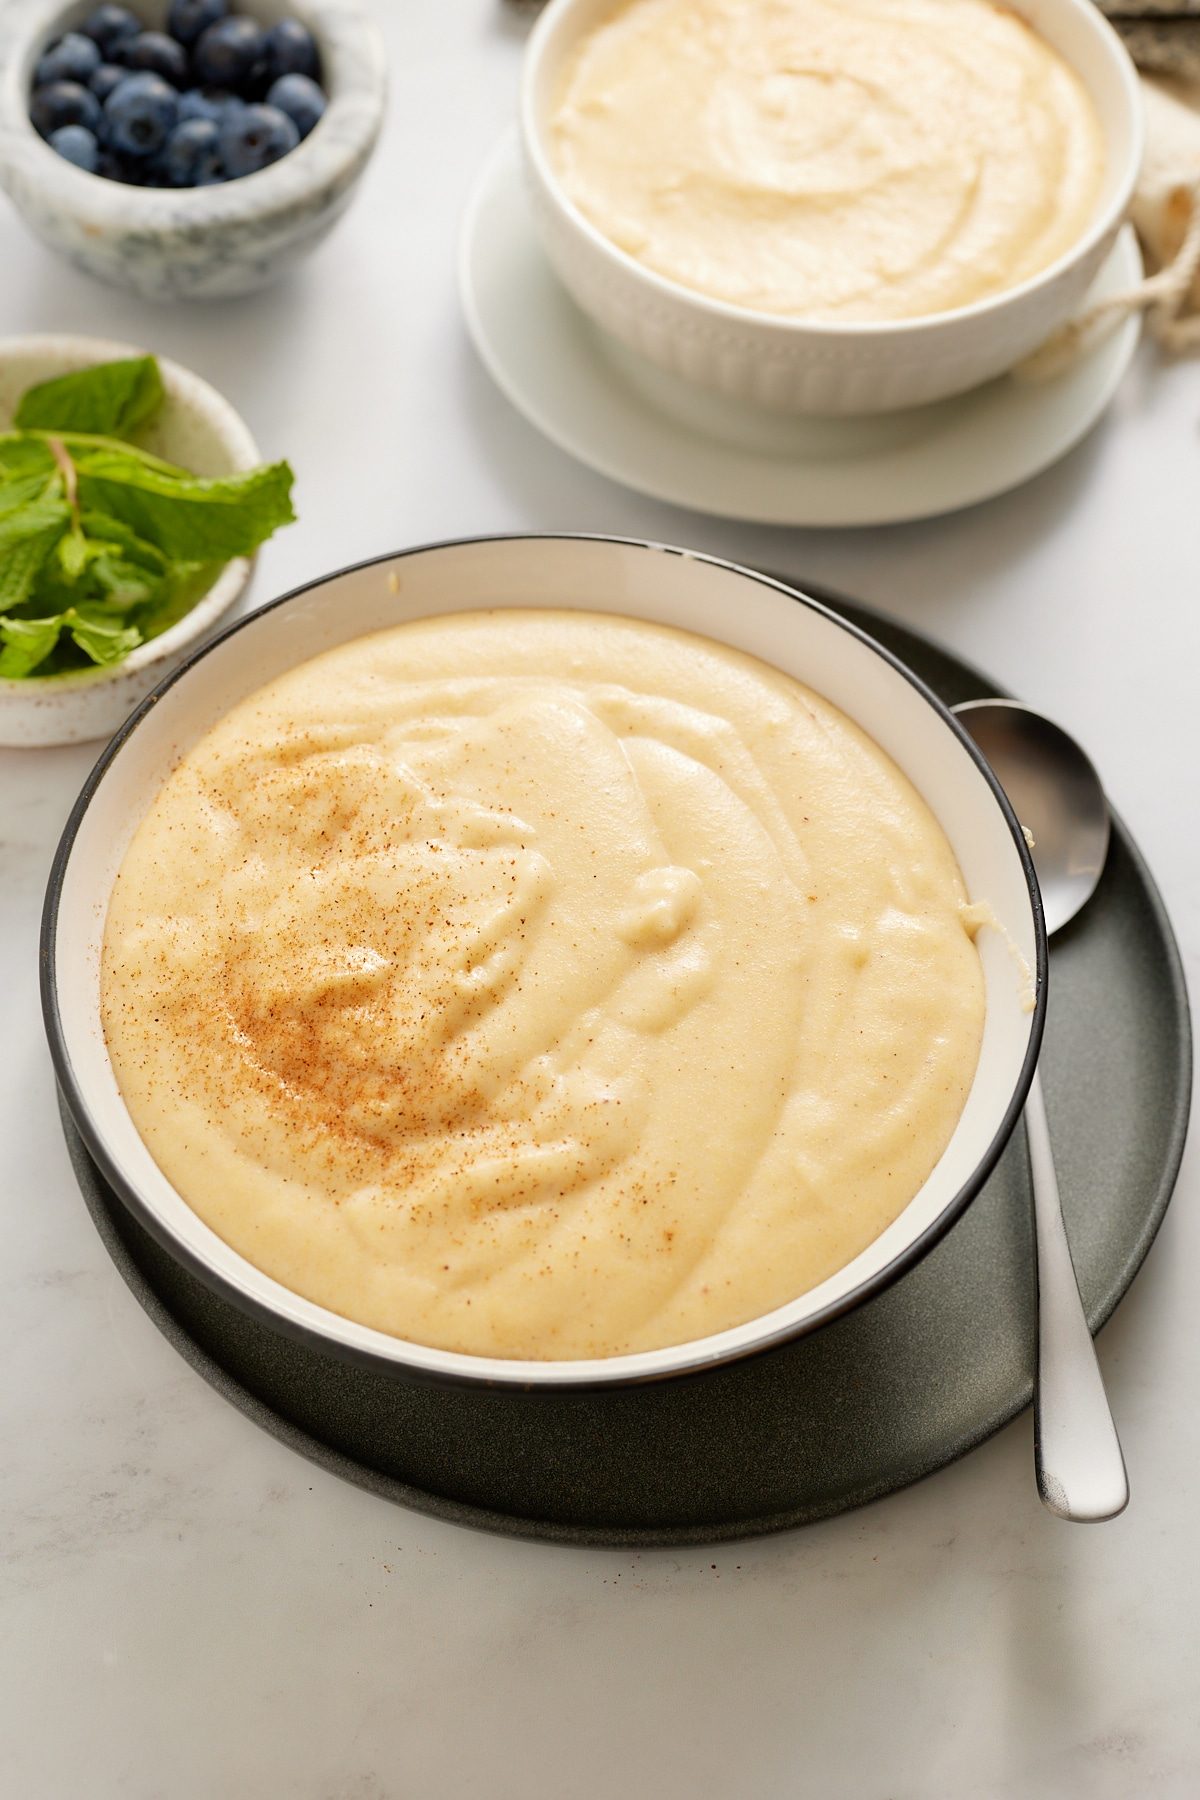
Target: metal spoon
{"x":1057,"y":796}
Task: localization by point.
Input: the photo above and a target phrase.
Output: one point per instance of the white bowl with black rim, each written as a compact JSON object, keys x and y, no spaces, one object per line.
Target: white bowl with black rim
{"x":198,"y":430}
{"x":645,"y":581}
{"x":203,"y":243}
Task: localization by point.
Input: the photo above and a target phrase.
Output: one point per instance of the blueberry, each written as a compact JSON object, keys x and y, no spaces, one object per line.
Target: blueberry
{"x":140,"y":115}
{"x":227,"y":55}
{"x":289,"y":50}
{"x":78,"y":145}
{"x":205,"y":103}
{"x":255,"y":136}
{"x":186,"y":19}
{"x":124,"y":168}
{"x":192,"y":154}
{"x":108,"y":25}
{"x":159,"y":54}
{"x":298,"y":97}
{"x":106,"y":78}
{"x":73,"y":58}
{"x":64,"y":103}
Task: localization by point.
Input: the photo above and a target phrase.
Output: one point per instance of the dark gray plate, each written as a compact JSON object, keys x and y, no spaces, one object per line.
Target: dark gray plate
{"x":898,"y":1388}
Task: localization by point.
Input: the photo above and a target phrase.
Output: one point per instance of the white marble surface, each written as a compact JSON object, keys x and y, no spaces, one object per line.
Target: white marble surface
{"x":188,"y":1610}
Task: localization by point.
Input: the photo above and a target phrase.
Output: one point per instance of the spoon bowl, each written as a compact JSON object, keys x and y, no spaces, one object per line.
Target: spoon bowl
{"x":1058,"y":797}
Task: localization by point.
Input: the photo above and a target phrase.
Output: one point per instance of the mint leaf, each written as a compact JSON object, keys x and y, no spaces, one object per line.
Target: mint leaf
{"x":31,"y":520}
{"x":102,"y":638}
{"x":20,"y":491}
{"x":28,"y":535}
{"x":27,"y":472}
{"x":105,"y":579}
{"x":26,"y":643}
{"x":176,"y":596}
{"x":73,"y":554}
{"x":116,"y":535}
{"x":111,"y":399}
{"x":24,"y":456}
{"x":19,"y":570}
{"x":101,"y":544}
{"x":190,"y":519}
{"x":122,"y":585}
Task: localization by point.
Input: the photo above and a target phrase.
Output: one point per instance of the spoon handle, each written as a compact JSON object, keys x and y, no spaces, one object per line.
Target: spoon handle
{"x":1077,"y":1454}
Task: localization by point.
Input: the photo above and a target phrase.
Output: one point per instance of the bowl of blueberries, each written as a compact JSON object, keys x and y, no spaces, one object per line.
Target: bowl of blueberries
{"x":182,"y":148}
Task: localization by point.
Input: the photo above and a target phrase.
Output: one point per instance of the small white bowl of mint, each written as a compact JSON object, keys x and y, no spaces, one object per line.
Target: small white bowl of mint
{"x":132,"y":502}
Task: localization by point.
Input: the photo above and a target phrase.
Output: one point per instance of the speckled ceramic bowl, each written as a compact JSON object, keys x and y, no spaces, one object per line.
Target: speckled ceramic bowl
{"x":196,"y":429}
{"x":194,"y":243}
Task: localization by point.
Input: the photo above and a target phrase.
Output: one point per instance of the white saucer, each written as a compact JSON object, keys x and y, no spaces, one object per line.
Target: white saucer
{"x":652,"y":432}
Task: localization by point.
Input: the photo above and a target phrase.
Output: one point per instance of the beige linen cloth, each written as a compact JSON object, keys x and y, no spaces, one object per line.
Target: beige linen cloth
{"x":1163,"y":37}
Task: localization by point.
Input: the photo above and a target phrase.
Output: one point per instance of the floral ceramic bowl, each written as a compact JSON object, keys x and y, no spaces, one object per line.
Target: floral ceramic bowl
{"x":196,"y":429}
{"x":194,"y":243}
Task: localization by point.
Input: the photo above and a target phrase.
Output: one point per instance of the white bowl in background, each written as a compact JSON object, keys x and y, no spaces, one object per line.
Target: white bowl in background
{"x":194,"y":243}
{"x":198,"y":430}
{"x":645,"y":581}
{"x":791,"y":365}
